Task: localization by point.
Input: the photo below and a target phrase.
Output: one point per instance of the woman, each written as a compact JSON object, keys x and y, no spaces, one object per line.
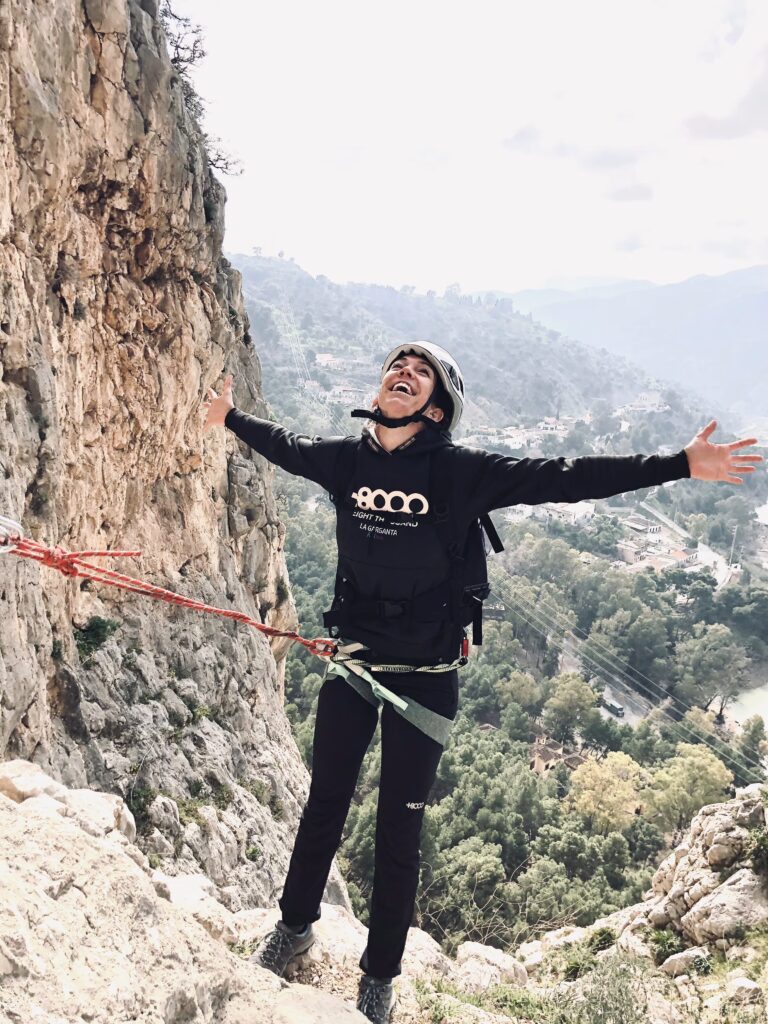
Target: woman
{"x":399,"y":600}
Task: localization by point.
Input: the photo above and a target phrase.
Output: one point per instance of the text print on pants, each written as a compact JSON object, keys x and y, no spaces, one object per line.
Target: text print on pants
{"x":415,"y":806}
{"x":382,"y":501}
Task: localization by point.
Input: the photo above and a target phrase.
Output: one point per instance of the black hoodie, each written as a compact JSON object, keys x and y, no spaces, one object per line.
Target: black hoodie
{"x":388,"y":545}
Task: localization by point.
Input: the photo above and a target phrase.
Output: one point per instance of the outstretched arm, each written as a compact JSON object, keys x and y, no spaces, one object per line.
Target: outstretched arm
{"x":313,"y":458}
{"x":509,"y":481}
{"x":717,"y":461}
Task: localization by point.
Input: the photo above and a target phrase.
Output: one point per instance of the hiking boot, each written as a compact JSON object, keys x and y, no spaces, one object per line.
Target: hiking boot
{"x":375,"y":998}
{"x":280,"y":946}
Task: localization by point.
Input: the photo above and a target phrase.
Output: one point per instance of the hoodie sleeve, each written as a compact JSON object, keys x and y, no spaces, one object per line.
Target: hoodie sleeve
{"x":312,"y":457}
{"x":508,"y":481}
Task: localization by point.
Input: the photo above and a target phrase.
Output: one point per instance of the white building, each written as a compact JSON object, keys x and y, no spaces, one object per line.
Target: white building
{"x":575,"y":513}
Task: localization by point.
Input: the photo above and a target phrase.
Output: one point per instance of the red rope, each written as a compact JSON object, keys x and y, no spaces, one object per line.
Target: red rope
{"x":72,"y":563}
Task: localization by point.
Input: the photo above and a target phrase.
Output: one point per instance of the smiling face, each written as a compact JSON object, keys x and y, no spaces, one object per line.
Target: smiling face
{"x":406,"y":386}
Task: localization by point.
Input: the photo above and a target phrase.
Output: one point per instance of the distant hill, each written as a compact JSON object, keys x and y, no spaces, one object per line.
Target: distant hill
{"x":513,"y":366}
{"x":709,"y":334}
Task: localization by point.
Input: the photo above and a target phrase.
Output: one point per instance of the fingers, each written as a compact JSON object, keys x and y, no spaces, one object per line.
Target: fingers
{"x":747,"y":458}
{"x":744,"y":443}
{"x":707,"y":431}
{"x":733,"y":480}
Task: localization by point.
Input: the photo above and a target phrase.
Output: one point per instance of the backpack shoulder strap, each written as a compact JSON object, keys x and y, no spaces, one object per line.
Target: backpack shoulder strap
{"x":344,"y":469}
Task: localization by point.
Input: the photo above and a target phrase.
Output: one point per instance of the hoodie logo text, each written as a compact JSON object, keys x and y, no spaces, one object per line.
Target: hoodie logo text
{"x":389,"y":501}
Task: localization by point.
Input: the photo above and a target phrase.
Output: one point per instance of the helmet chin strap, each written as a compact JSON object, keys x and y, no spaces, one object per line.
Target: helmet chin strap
{"x":401,"y":421}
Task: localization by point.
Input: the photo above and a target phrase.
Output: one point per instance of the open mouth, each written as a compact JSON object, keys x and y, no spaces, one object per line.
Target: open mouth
{"x":402,"y":388}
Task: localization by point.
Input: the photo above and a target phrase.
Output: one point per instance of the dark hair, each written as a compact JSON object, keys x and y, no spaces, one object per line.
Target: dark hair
{"x":442,"y":400}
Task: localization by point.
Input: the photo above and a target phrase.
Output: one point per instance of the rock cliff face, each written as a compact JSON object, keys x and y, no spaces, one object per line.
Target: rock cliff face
{"x":117,"y":311}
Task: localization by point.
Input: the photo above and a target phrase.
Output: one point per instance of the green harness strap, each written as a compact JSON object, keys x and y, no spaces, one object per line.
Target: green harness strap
{"x":357,"y":673}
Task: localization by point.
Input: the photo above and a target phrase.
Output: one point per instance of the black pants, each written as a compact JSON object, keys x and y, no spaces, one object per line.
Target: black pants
{"x":344,"y":727}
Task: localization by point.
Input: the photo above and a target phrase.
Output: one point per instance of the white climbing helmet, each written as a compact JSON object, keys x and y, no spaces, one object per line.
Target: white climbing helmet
{"x":444,"y":365}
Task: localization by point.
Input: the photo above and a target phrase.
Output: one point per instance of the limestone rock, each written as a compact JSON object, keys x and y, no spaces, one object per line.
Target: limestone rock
{"x":682,"y":963}
{"x":740,"y":902}
{"x":301,"y":1004}
{"x":505,"y":969}
{"x":744,"y":990}
{"x":117,"y":311}
{"x":22,"y":780}
{"x":84,"y":935}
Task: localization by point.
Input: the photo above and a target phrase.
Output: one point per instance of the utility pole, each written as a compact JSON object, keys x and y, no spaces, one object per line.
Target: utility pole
{"x":733,"y":542}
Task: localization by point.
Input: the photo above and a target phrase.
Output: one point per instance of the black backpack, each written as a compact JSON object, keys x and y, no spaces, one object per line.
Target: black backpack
{"x":467,"y":554}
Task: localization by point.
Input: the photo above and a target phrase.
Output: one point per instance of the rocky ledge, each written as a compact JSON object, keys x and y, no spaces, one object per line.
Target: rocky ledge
{"x":91,"y":931}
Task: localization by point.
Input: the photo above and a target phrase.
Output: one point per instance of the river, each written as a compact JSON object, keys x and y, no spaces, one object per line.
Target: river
{"x":754,"y":701}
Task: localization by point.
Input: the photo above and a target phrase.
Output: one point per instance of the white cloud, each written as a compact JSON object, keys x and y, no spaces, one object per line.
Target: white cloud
{"x":632,"y":193}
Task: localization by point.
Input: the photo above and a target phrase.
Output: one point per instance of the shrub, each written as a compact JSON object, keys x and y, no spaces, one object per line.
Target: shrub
{"x":757,"y":849}
{"x":664,"y":944}
{"x":281,"y":590}
{"x":614,"y":991}
{"x":253,"y":853}
{"x":601,"y":938}
{"x":276,"y":807}
{"x":139,"y":799}
{"x":578,"y":960}
{"x":93,"y":634}
{"x":701,"y":965}
{"x":222,"y":796}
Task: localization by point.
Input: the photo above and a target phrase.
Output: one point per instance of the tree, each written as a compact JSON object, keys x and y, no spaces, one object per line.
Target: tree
{"x":464,"y":894}
{"x":568,"y":707}
{"x":608,"y":793}
{"x":710,"y":664}
{"x":693,"y":778}
{"x":752,"y":742}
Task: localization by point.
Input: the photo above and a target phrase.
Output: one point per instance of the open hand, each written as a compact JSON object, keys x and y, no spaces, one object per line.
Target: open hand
{"x":709,"y":461}
{"x":218,"y":405}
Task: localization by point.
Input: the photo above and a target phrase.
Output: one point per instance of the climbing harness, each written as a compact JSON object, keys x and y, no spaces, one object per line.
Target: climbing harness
{"x":340,"y":657}
{"x":357,"y":672}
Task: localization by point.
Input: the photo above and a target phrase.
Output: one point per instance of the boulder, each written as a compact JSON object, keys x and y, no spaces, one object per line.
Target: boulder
{"x":682,"y":963}
{"x":743,"y":990}
{"x":20,"y":780}
{"x":509,"y":970}
{"x":740,"y":902}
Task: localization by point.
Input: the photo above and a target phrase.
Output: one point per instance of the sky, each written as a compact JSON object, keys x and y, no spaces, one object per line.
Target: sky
{"x":497,"y":145}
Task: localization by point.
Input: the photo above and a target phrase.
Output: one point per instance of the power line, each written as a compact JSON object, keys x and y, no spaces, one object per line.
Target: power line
{"x":613,"y":664}
{"x":679,"y":726}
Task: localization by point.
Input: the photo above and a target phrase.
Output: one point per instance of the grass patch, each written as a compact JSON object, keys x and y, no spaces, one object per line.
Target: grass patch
{"x":222,"y":795}
{"x":189,"y":811}
{"x":437,"y":1002}
{"x":253,"y":853}
{"x":265,"y":796}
